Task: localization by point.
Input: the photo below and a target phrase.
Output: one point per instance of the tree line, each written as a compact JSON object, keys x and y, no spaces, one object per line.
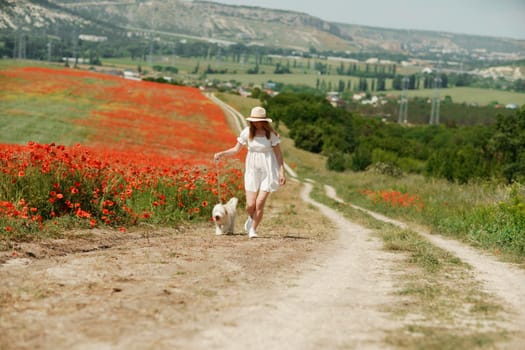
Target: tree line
{"x":351,"y":141}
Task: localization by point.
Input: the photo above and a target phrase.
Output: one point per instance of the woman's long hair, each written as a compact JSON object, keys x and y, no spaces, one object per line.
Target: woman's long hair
{"x":268,"y":130}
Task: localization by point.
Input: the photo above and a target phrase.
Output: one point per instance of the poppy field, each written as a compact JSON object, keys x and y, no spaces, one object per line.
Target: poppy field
{"x":117,"y":152}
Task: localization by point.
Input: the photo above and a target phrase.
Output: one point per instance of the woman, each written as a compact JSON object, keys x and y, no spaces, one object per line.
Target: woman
{"x":264,"y":171}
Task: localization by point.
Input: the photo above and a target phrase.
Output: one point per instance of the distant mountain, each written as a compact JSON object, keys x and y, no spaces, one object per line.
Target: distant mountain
{"x":228,"y":24}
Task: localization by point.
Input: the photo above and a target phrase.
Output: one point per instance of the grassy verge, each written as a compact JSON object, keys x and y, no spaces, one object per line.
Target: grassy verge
{"x":486,"y":215}
{"x":241,"y":104}
{"x":441,"y":305}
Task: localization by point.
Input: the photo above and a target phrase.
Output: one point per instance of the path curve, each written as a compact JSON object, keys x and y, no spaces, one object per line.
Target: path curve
{"x":358,"y":254}
{"x":337,"y":302}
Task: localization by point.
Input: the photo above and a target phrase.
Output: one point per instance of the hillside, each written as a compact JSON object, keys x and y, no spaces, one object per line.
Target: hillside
{"x":334,"y":275}
{"x":227,"y":24}
{"x":47,"y":17}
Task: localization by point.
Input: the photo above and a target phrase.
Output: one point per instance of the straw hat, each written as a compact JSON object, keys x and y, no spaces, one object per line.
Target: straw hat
{"x":258,"y":114}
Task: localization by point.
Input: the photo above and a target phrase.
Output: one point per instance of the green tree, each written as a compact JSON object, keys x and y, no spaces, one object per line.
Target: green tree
{"x":341,"y":87}
{"x":361,"y":158}
{"x":308,"y":137}
{"x":336,"y":161}
{"x":381,"y":84}
{"x":397,"y":84}
{"x":509,"y":144}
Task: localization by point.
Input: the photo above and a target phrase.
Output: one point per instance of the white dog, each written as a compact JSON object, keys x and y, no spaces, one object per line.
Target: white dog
{"x":224,"y":216}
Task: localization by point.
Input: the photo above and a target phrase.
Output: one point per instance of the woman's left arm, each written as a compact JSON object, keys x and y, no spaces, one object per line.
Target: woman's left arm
{"x":280,"y":161}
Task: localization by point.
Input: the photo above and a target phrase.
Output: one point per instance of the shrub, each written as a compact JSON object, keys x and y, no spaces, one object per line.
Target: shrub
{"x":361,"y":158}
{"x":336,"y":161}
{"x":308,"y":137}
{"x":386,"y":169}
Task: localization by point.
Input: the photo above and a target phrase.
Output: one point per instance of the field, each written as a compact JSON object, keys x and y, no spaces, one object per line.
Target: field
{"x":308,"y":77}
{"x":88,"y":149}
{"x":476,"y":96}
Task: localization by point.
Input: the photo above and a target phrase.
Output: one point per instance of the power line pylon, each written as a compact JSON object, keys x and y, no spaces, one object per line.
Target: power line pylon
{"x":434,"y":113}
{"x":403,"y":104}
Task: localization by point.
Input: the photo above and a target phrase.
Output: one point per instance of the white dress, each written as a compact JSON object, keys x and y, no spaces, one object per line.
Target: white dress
{"x":262,"y":168}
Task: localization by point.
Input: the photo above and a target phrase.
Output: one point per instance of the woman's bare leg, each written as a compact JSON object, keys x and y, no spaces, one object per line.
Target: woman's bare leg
{"x":251,"y":200}
{"x":260,"y":201}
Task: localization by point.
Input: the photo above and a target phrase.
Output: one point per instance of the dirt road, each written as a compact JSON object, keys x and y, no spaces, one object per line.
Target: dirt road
{"x":193,"y":290}
{"x":323,"y":283}
{"x":334,"y":301}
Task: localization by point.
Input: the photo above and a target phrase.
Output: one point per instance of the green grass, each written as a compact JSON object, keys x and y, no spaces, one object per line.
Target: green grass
{"x":21,"y":120}
{"x":22,"y":112}
{"x":241,"y":104}
{"x":487,"y":215}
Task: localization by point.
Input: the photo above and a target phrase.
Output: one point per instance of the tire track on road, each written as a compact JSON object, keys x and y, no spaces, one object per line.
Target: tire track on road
{"x":338,"y":301}
{"x":505,"y":281}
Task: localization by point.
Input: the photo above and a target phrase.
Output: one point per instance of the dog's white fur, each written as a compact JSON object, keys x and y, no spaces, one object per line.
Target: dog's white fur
{"x":224,"y":216}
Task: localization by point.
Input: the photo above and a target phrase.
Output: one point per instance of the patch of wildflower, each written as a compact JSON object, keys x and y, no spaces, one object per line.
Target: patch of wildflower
{"x":394,"y":198}
{"x":97,"y":186}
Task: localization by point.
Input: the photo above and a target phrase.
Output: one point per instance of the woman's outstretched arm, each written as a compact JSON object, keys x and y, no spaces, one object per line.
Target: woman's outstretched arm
{"x":229,"y":152}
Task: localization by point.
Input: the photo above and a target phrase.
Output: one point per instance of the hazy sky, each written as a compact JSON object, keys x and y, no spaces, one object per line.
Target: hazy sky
{"x":499,"y":18}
